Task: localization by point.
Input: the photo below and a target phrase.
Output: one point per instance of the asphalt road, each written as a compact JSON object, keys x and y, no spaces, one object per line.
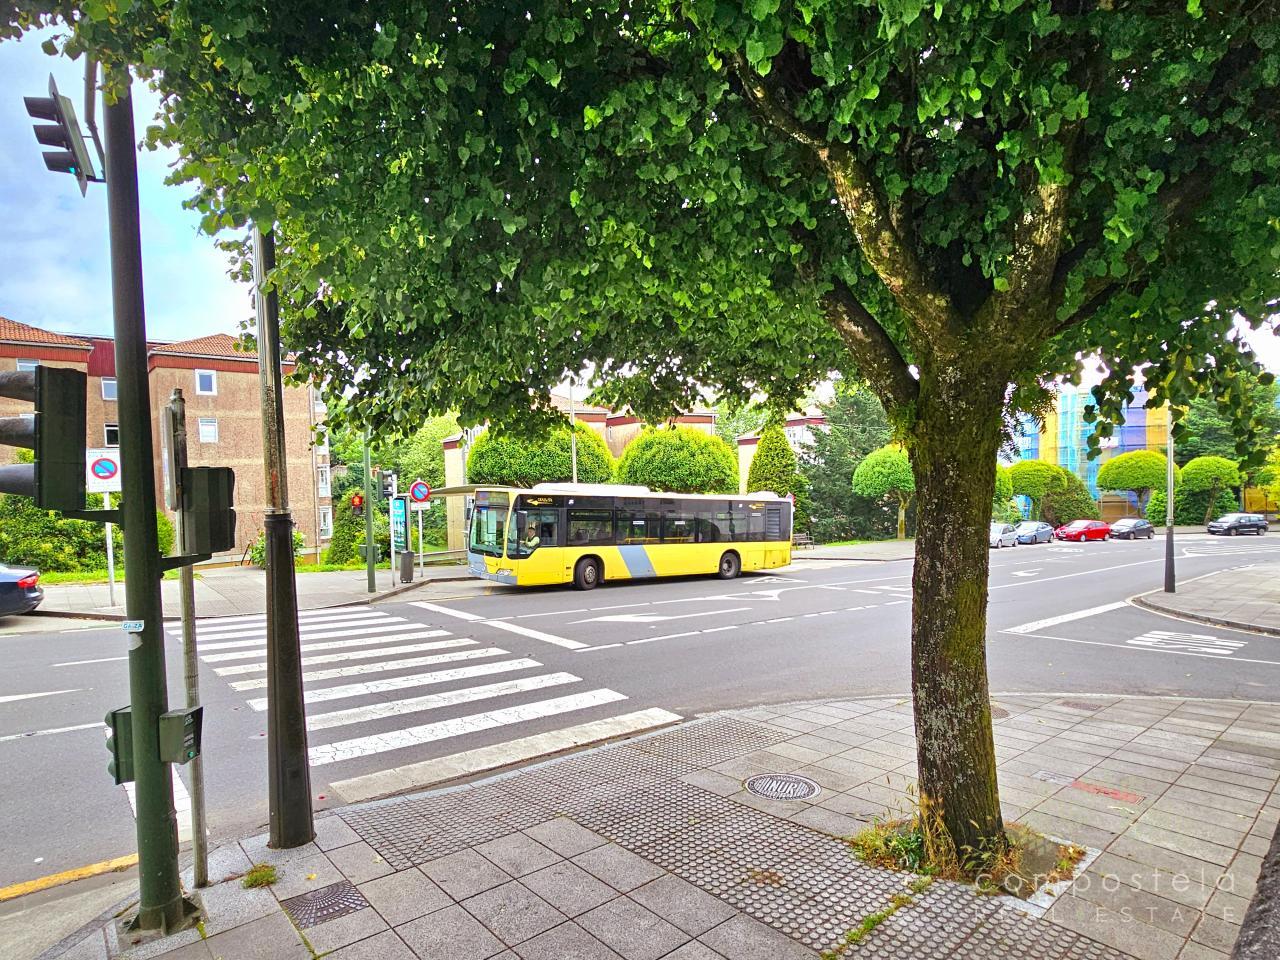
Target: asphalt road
{"x":461,"y":667}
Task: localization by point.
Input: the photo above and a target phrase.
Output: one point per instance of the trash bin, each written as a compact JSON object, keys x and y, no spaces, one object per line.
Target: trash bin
{"x":407,"y":561}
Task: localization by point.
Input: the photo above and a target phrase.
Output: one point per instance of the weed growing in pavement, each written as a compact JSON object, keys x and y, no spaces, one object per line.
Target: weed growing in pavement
{"x":872,"y":920}
{"x":262,"y":875}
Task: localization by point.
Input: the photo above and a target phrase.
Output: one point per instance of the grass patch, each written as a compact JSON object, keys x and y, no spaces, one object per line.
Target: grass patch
{"x":261,"y":875}
{"x":55,"y":577}
{"x":845,"y":543}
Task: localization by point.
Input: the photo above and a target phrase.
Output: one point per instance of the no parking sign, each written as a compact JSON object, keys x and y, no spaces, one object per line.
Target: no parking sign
{"x":102,"y":470}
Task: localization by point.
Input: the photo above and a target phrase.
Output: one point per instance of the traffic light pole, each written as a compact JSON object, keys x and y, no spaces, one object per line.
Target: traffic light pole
{"x":288,"y":768}
{"x":161,"y":906}
{"x":370,"y":548}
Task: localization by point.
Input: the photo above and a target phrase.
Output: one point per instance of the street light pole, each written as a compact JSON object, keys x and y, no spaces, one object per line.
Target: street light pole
{"x":288,"y":769}
{"x":160,"y":903}
{"x":1170,"y":582}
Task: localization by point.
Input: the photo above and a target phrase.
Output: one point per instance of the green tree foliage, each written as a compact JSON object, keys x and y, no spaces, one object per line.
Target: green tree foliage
{"x":959,"y":197}
{"x":1190,"y":507}
{"x":1208,"y":426}
{"x":1033,"y":479}
{"x":32,"y":537}
{"x":347,"y":531}
{"x":258,"y":549}
{"x":1209,"y":475}
{"x":1138,"y":472}
{"x":679,"y":460}
{"x":887,"y":473}
{"x":733,"y":422}
{"x":1067,"y":499}
{"x":1003,"y":507}
{"x":506,"y":459}
{"x":773,"y":467}
{"x":856,"y":425}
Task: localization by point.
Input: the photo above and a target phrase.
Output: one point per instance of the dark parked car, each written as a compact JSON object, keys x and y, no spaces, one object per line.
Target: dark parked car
{"x":1080,"y":530}
{"x":19,"y":590}
{"x":1034,"y":531}
{"x":1233,"y":524}
{"x":1132,"y":528}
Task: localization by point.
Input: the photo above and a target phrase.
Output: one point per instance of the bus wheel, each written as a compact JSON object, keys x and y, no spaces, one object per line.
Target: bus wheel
{"x":586,"y":575}
{"x":730,"y":566}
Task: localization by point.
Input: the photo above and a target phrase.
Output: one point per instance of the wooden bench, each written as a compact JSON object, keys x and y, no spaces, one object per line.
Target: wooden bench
{"x":802,"y":540}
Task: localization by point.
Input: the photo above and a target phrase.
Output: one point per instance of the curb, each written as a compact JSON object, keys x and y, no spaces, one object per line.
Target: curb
{"x":390,"y":594}
{"x":1142,"y":601}
{"x":1260,"y":933}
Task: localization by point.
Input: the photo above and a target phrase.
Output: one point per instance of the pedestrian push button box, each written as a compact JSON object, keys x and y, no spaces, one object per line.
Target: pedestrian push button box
{"x":180,"y":734}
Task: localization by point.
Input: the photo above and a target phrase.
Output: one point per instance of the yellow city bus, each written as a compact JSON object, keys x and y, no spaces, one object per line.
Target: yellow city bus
{"x":584,"y":533}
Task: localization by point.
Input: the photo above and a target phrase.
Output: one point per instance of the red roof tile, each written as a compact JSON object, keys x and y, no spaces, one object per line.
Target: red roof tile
{"x":13,"y":331}
{"x":219,"y":345}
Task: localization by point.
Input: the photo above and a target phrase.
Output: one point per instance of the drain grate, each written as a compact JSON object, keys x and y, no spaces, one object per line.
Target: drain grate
{"x":327,"y":903}
{"x":782,"y":786}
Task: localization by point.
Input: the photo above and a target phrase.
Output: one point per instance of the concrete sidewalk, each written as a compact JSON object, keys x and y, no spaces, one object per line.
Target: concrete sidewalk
{"x":232,"y":591}
{"x":652,"y":848}
{"x":875,"y":550}
{"x":1245,"y":597}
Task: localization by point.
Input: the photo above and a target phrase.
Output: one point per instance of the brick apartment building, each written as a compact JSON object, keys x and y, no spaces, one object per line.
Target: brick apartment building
{"x":224,"y":426}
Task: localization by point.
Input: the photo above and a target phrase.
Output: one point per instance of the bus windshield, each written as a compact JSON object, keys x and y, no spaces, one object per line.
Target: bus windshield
{"x":488,"y":521}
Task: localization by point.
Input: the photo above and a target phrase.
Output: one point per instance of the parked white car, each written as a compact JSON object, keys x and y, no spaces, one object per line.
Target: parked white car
{"x":1003,"y":535}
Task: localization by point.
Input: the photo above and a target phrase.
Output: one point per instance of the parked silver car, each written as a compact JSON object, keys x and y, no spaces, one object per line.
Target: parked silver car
{"x":1034,"y":531}
{"x":1003,"y":535}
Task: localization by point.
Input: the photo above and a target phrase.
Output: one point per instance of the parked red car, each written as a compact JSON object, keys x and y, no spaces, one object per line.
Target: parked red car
{"x":1083,"y":530}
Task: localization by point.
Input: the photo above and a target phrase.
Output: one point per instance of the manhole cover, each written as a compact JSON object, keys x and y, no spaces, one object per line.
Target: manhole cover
{"x":327,"y":903}
{"x":999,"y":713}
{"x":782,"y":786}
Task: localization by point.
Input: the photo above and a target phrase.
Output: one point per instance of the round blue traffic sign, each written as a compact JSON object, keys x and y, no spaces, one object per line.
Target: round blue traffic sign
{"x":419,"y":491}
{"x":104,"y":468}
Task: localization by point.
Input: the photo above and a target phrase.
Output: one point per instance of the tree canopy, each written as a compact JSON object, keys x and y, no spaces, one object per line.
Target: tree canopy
{"x":1208,"y":425}
{"x":887,"y":473}
{"x":1137,"y":472}
{"x":773,"y":467}
{"x":679,"y":460}
{"x":509,"y":460}
{"x":1033,"y":479}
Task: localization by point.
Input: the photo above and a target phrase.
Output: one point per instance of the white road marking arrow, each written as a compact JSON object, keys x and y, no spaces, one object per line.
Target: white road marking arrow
{"x":1026,"y":573}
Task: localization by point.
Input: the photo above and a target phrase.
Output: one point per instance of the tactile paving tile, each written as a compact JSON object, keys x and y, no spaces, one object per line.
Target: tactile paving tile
{"x":713,"y":741}
{"x":1008,"y":933}
{"x":327,"y":903}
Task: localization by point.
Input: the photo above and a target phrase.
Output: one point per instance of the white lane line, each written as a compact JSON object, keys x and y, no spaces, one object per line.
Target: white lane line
{"x":599,"y":646}
{"x":665,"y":636}
{"x":259,"y":647}
{"x":32,"y":696}
{"x":552,"y":613}
{"x":537,"y":635}
{"x":457,"y":727}
{"x":45,"y":733}
{"x":385,"y":666}
{"x":655,"y":617}
{"x":1172,"y":653}
{"x":213,"y":629}
{"x":1047,"y":622}
{"x":432,"y":701}
{"x":429,"y":772}
{"x":893,"y":602}
{"x":243,"y":668}
{"x":780,"y":620}
{"x":732,"y":626}
{"x":386,"y":685}
{"x":181,"y":804}
{"x":326,"y":631}
{"x":860,"y":590}
{"x":80,"y":663}
{"x":447,"y":611}
{"x":302,"y":615}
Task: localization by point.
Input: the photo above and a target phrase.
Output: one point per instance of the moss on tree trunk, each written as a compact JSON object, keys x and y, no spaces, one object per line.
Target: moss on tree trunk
{"x":956,"y":442}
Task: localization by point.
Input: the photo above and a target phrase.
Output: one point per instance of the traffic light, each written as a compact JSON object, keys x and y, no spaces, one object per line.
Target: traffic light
{"x":208,"y":517}
{"x":55,"y":481}
{"x":357,"y":504}
{"x":388,"y":489}
{"x":120,"y":744}
{"x":62,"y":131}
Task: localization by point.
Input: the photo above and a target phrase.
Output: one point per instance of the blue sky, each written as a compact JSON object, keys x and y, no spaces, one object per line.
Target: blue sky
{"x":55,"y":269}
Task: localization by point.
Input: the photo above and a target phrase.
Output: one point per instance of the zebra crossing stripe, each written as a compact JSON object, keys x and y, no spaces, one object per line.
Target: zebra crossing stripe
{"x":396,"y":708}
{"x":181,"y":804}
{"x":385,"y":666}
{"x":388,"y":684}
{"x":459,"y":726}
{"x":323,"y":630}
{"x":219,"y":626}
{"x":261,"y":618}
{"x":259,"y":646}
{"x":242,"y":668}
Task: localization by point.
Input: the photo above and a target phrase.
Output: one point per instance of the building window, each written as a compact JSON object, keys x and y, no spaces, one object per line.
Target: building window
{"x":111,"y":435}
{"x":326,"y":521}
{"x":27,"y":366}
{"x":322,"y":481}
{"x":108,"y":388}
{"x":317,"y":401}
{"x":208,"y":430}
{"x":207,"y":383}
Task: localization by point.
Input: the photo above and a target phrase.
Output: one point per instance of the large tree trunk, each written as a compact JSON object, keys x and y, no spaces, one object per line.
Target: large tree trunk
{"x":956,"y":439}
{"x":902,"y":517}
